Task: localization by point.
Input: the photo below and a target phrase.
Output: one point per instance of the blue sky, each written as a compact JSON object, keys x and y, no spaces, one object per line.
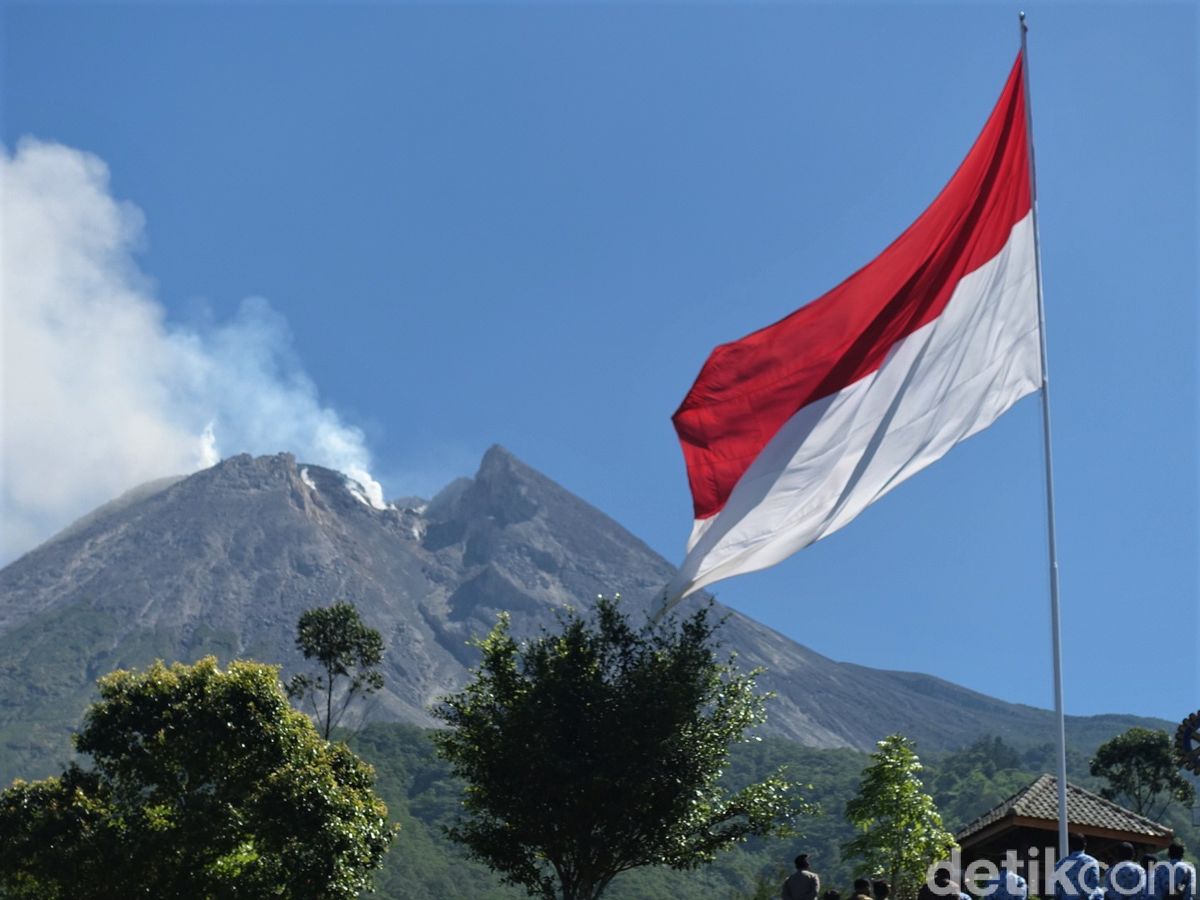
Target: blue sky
{"x":528,"y":224}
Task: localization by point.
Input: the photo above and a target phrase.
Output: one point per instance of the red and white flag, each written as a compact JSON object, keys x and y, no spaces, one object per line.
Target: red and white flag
{"x":790,"y":432}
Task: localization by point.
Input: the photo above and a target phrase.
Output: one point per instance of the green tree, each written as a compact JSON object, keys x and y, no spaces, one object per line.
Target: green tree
{"x":598,"y":749}
{"x":1141,"y":767}
{"x":900,"y":830}
{"x":345,"y":648}
{"x":206,"y":785}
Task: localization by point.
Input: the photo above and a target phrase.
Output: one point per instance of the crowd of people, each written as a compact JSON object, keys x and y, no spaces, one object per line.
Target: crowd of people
{"x":1077,"y":876}
{"x":1127,"y":878}
{"x":805,"y":884}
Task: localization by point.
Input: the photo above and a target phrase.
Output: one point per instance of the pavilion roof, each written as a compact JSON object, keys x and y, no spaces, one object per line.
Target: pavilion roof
{"x":1039,"y":801}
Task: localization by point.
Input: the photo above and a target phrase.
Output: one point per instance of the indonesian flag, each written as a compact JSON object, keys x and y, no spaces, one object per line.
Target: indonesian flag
{"x":790,"y":432}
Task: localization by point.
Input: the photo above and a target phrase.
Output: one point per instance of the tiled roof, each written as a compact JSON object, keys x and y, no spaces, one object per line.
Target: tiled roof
{"x":1040,"y":801}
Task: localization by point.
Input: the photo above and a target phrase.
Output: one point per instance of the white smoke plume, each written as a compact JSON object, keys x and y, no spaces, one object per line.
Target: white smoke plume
{"x":99,"y":392}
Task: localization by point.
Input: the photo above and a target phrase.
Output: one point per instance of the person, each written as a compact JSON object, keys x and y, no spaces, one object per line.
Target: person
{"x":880,"y":889}
{"x":1077,"y":875}
{"x":803,"y":884}
{"x":1006,"y":886}
{"x":862,"y":889}
{"x":1125,"y":879}
{"x":1149,"y":861}
{"x":1174,"y":879}
{"x":943,"y":886}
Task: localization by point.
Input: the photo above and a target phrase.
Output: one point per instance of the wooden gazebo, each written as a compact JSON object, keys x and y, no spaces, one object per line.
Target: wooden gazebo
{"x":1029,"y":819}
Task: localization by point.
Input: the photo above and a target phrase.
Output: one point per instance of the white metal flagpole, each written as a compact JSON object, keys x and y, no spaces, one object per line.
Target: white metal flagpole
{"x":1055,"y":617}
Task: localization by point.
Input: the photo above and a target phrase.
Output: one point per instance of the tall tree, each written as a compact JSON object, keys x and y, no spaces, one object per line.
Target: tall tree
{"x":597,"y":749}
{"x":345,"y":648}
{"x":206,"y":784}
{"x":1141,"y":767}
{"x":900,"y":829}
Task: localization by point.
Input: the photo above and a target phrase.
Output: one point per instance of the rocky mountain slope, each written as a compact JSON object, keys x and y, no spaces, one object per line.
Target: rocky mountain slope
{"x":224,"y":562}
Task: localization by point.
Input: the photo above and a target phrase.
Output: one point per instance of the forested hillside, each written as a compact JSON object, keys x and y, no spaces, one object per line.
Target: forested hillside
{"x":422,"y":797}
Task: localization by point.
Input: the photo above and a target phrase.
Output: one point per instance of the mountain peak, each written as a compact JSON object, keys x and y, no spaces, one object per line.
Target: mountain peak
{"x":244,"y":463}
{"x":500,"y":463}
{"x":505,"y":489}
{"x":496,"y":454}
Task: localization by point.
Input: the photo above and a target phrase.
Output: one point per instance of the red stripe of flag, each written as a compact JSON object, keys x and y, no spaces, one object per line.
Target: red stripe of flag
{"x":749,"y":388}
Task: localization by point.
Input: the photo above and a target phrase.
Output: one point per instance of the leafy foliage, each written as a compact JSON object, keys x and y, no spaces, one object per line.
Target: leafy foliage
{"x":1142,"y":771}
{"x":971,"y":781}
{"x":900,"y":830}
{"x":345,"y":647}
{"x":206,"y":785}
{"x":423,"y":796}
{"x":599,"y":749}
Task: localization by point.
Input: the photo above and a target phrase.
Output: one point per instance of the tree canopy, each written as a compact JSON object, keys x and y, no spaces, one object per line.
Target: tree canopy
{"x":900,"y":830}
{"x":345,"y":648}
{"x":599,"y":748}
{"x":1142,"y":768}
{"x":206,"y":784}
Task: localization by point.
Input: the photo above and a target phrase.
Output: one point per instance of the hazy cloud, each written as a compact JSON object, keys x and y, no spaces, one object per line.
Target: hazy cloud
{"x":99,"y":391}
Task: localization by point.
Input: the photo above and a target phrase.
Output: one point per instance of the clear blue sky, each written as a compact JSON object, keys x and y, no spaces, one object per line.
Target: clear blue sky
{"x":528,"y":224}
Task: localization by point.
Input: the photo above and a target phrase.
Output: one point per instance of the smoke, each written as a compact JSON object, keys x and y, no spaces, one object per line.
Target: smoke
{"x":99,"y":392}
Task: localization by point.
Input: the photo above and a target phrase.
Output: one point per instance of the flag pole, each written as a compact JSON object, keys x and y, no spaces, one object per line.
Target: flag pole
{"x":1055,"y":616}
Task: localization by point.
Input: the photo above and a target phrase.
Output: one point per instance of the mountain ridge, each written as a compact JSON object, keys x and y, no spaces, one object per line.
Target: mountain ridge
{"x":223,"y":561}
